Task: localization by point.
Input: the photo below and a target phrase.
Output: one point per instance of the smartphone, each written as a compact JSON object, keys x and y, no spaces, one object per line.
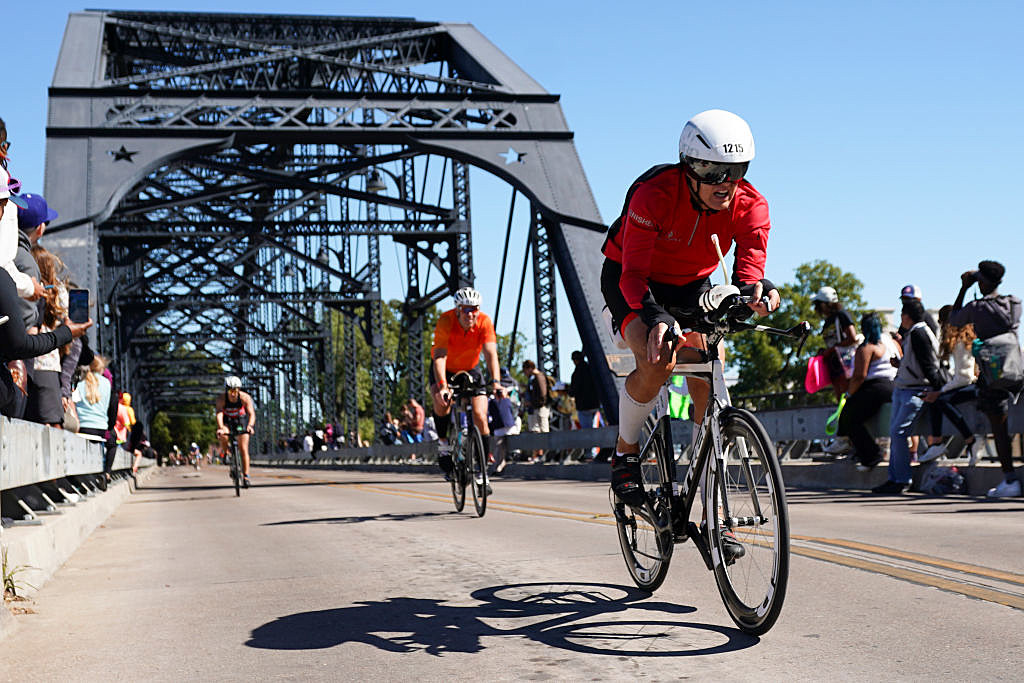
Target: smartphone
{"x":78,"y":305}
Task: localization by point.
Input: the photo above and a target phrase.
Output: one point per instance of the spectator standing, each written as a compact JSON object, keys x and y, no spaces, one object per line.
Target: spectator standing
{"x":91,"y":397}
{"x":913,"y":293}
{"x":535,"y":402}
{"x":584,"y":391}
{"x":992,"y":315}
{"x":871,"y":387}
{"x":917,"y":374}
{"x":44,"y":396}
{"x":307,"y":445}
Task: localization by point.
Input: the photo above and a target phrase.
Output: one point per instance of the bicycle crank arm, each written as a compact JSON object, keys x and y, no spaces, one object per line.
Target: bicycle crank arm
{"x":702,"y":545}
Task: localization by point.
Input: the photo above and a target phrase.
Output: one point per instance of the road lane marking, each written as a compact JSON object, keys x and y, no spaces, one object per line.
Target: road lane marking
{"x":920,"y":577}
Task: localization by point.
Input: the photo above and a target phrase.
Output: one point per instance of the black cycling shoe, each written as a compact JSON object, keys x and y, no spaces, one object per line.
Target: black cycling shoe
{"x":245,"y":482}
{"x":732,"y":549}
{"x":627,"y":483}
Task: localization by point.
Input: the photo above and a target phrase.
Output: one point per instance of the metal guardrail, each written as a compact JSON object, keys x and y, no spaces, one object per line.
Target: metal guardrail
{"x":786,"y":425}
{"x":34,"y":457}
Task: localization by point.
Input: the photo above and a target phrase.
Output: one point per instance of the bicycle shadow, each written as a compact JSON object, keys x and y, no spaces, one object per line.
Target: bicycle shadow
{"x":357,"y":519}
{"x":568,"y":616}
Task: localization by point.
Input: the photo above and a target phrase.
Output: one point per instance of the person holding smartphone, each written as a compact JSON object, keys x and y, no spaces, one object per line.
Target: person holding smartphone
{"x":17,"y":344}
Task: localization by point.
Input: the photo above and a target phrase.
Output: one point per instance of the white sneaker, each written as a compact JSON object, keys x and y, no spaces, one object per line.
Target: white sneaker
{"x":1005,"y":489}
{"x":840,"y":444}
{"x":933,"y":452}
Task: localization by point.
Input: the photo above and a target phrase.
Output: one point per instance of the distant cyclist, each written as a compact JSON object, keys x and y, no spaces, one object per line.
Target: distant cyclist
{"x":194,"y":455}
{"x":459,"y":337}
{"x":236,"y":414}
{"x":659,"y":254}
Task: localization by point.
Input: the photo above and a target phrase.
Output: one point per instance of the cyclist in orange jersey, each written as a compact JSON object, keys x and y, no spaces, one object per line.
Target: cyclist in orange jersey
{"x":459,"y":337}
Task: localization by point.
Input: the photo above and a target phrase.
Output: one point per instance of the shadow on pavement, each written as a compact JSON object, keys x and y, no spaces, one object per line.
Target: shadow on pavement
{"x":356,"y":519}
{"x":573,"y":616}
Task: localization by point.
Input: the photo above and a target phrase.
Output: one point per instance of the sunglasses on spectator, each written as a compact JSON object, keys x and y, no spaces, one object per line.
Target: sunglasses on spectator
{"x":469,"y":309}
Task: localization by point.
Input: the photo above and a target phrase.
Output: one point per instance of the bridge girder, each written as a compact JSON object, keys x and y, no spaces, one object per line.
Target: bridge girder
{"x":226,"y":183}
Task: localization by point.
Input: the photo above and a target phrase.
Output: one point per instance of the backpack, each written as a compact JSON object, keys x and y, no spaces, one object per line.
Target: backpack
{"x":940,"y":481}
{"x":1000,"y":365}
{"x":550,"y":399}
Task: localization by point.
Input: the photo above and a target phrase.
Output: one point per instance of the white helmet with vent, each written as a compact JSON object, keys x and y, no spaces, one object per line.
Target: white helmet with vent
{"x":467,"y":296}
{"x":716,"y":146}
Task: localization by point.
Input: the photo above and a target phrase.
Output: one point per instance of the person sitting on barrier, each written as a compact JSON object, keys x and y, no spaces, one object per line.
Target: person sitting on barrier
{"x":870,"y":388}
{"x":659,"y":254}
{"x":840,"y":340}
{"x":459,"y":337}
{"x":993,"y":315}
{"x":236,"y":414}
{"x":501,"y":415}
{"x":955,"y":347}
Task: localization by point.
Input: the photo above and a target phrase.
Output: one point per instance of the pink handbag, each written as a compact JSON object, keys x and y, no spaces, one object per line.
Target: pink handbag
{"x":817,"y":375}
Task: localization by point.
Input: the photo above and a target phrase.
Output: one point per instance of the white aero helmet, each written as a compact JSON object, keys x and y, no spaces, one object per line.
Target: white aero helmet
{"x":467,"y":296}
{"x":716,"y":146}
{"x":826,"y":295}
{"x":232,"y":382}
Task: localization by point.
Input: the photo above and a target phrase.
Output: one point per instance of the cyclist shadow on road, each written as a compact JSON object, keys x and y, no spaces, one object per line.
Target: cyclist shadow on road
{"x":356,"y":519}
{"x":569,"y":616}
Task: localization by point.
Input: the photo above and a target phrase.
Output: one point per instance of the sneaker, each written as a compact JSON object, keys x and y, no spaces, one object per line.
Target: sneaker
{"x":890,"y":488}
{"x":933,"y":452}
{"x":869,"y":465}
{"x":627,"y":483}
{"x":1005,"y":489}
{"x":838,"y":445}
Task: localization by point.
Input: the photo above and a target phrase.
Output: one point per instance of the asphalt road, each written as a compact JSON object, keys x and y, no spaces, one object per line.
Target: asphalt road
{"x":340,"y":575}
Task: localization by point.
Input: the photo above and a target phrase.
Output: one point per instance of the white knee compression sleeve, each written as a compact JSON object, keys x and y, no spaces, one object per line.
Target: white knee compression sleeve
{"x":632,"y":414}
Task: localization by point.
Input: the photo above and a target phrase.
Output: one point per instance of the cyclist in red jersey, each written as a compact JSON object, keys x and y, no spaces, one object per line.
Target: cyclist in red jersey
{"x":659,"y":254}
{"x":459,"y":337}
{"x":236,"y":414}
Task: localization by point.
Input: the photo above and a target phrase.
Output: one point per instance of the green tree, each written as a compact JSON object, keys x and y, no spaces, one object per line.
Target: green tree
{"x":769,"y":364}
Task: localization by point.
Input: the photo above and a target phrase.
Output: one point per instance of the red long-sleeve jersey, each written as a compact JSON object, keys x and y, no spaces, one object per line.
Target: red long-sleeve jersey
{"x":664,"y":238}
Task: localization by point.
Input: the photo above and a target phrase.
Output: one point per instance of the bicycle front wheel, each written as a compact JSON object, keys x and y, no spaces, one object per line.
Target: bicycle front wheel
{"x":476,"y":462}
{"x":750,"y":491}
{"x":236,"y":468}
{"x":645,"y":535}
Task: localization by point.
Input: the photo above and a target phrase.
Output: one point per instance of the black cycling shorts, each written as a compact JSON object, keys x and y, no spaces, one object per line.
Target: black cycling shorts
{"x":676,"y":296}
{"x":475,"y":374}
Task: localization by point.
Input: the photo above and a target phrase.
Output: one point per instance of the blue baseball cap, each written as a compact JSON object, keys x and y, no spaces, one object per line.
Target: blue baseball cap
{"x":35,"y":213}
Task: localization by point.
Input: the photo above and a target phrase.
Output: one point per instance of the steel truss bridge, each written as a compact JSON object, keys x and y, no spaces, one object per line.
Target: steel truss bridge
{"x":225,"y":181}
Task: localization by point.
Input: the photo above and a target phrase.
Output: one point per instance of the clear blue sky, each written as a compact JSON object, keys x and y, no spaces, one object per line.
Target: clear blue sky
{"x":888,"y":133}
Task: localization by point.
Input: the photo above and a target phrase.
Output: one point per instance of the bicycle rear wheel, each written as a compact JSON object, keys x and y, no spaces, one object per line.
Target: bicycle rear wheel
{"x":645,"y":536}
{"x":476,"y":462}
{"x":236,"y":468}
{"x":751,"y":489}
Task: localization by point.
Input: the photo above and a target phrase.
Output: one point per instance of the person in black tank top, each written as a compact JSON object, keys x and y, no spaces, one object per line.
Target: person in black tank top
{"x":236,"y":415}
